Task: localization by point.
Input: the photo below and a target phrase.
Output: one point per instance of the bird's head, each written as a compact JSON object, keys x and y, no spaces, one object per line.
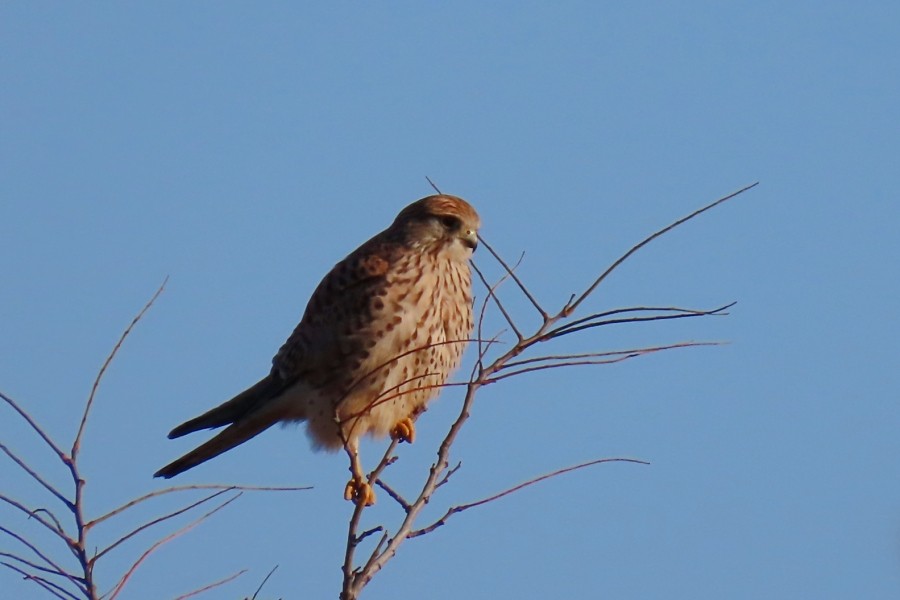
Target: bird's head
{"x":442,"y":220}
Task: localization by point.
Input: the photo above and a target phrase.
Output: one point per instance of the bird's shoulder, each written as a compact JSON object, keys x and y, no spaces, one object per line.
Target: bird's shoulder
{"x":339,"y":307}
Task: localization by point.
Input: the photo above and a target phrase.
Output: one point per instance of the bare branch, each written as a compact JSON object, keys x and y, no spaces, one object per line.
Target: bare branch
{"x":515,"y":278}
{"x":393,"y":494}
{"x":90,"y":401}
{"x":355,"y":580}
{"x":213,"y":585}
{"x":570,"y":307}
{"x":582,"y":324}
{"x":184,"y":488}
{"x":608,"y":353}
{"x":375,"y":552}
{"x":448,"y":475}
{"x":478,"y":367}
{"x":637,"y":309}
{"x":37,"y":428}
{"x":51,"y":587}
{"x":616,"y":357}
{"x":156,"y":521}
{"x":491,"y":295}
{"x":121,"y":584}
{"x":34,"y":475}
{"x":368,"y":532}
{"x":391,"y":393}
{"x":56,"y":569}
{"x":395,"y":393}
{"x":432,"y":184}
{"x":34,"y":566}
{"x":353,"y":539}
{"x":55,"y":527}
{"x":381,"y":398}
{"x":457,"y":509}
{"x":265,"y":579}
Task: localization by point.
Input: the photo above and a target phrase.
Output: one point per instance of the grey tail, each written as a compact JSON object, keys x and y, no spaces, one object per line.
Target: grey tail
{"x":247,"y":415}
{"x":229,"y":412}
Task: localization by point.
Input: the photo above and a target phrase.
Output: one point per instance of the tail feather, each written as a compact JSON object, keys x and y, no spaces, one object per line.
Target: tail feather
{"x":229,"y":412}
{"x":234,"y":435}
{"x":247,"y":415}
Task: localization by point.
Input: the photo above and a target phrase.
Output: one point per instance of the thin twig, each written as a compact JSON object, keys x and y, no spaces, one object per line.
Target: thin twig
{"x":571,"y":306}
{"x":76,"y":445}
{"x":431,"y":183}
{"x":638,"y":309}
{"x":265,"y":579}
{"x":349,"y":573}
{"x":515,"y":278}
{"x":51,"y":587}
{"x":457,"y":509}
{"x":56,"y":528}
{"x":609,"y":353}
{"x":78,"y":581}
{"x":393,"y":494}
{"x":184,"y":488}
{"x":496,"y":299}
{"x":380,"y":399}
{"x":34,"y":565}
{"x":448,"y":475}
{"x":156,"y":521}
{"x":574,"y":327}
{"x":373,"y":556}
{"x":368,"y":532}
{"x":607,"y":361}
{"x":394,"y":392}
{"x":121,"y":584}
{"x":478,"y":367}
{"x":213,"y":585}
{"x":34,"y":475}
{"x":37,"y":428}
{"x":491,"y":293}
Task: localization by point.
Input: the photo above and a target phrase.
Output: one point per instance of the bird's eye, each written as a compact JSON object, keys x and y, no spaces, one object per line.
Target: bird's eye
{"x":450,"y":222}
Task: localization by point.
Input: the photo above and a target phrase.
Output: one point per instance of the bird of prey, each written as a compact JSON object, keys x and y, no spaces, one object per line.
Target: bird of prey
{"x":379,"y":337}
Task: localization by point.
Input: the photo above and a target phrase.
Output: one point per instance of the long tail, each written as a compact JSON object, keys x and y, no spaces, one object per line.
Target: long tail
{"x":234,"y":435}
{"x":247,"y":415}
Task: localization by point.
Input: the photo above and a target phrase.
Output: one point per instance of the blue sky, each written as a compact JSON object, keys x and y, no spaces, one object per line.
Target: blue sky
{"x":241,"y":151}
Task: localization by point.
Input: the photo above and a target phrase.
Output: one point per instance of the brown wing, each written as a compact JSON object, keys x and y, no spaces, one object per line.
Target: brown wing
{"x":328,"y":335}
{"x":322,"y":348}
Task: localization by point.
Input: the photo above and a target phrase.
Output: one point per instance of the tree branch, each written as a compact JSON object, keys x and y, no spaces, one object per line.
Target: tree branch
{"x":570,"y":307}
{"x":184,"y":488}
{"x":51,"y":587}
{"x":458,"y":509}
{"x":213,"y":585}
{"x":37,"y":428}
{"x":76,"y":445}
{"x":503,"y":366}
{"x":121,"y":584}
{"x":156,"y":521}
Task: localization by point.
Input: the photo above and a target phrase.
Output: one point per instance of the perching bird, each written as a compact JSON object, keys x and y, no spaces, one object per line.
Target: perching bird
{"x":381,"y":334}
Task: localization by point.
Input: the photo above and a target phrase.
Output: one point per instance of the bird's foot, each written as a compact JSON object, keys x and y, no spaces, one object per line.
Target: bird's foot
{"x":359,"y":491}
{"x":404,"y":431}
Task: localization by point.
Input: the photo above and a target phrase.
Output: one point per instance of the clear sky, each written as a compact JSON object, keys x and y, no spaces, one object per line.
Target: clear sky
{"x":243,"y":150}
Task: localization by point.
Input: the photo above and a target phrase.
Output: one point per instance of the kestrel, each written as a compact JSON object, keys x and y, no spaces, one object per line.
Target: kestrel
{"x":381,"y":334}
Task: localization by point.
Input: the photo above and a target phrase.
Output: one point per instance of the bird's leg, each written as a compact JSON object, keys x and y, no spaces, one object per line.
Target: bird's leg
{"x":404,"y":431}
{"x":357,"y":489}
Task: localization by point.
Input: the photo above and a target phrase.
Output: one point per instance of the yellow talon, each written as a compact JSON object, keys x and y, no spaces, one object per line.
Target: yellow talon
{"x":404,"y":431}
{"x":360,"y":492}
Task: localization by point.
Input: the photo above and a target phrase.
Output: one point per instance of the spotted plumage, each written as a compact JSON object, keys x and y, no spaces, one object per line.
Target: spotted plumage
{"x":379,"y":337}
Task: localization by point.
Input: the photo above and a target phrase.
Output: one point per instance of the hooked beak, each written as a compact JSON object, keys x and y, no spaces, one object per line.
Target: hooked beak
{"x":470,"y":238}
